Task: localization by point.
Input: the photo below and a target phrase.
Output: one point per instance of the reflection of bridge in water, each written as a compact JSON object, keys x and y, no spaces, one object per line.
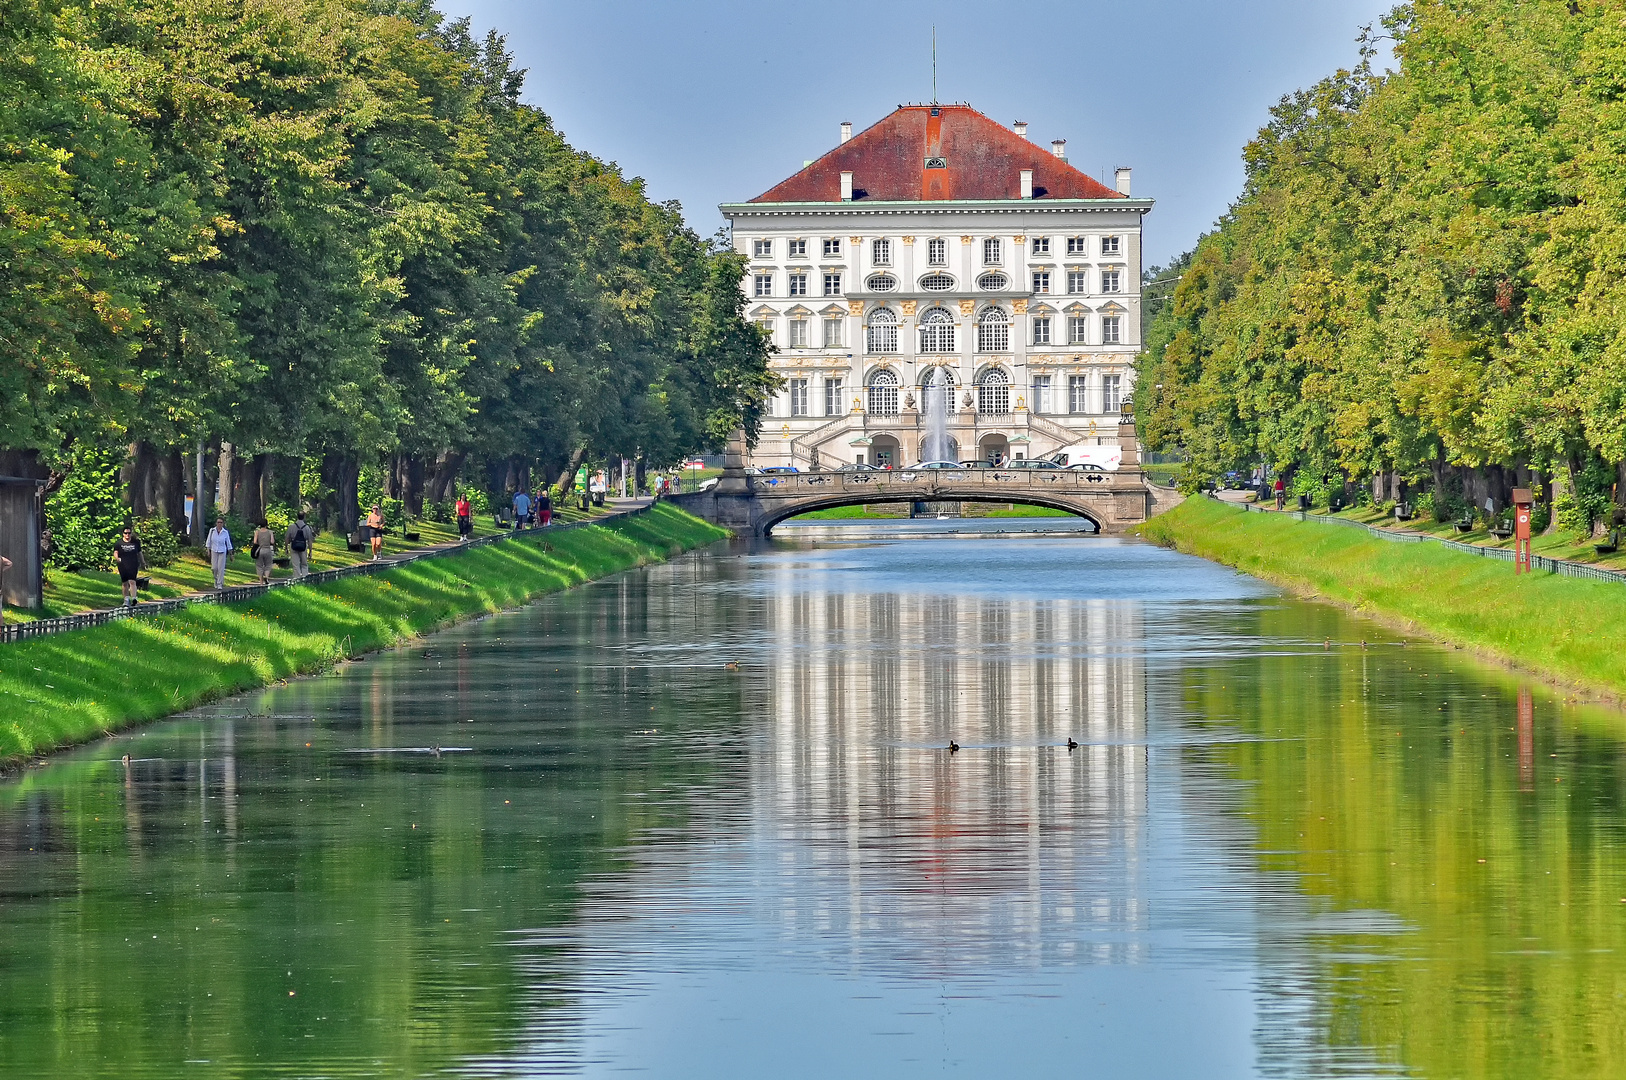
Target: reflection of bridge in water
{"x":753,"y":505}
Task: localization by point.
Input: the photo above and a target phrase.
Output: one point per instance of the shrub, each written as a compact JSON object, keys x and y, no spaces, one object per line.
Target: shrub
{"x":159,"y":544}
{"x":278,"y":518}
{"x":86,"y":515}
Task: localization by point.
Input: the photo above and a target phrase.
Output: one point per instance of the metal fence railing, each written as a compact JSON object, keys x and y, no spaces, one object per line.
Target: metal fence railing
{"x":1537,"y":562}
{"x":148,"y":609}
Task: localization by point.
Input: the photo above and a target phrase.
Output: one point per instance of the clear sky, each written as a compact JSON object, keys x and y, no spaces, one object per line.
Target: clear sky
{"x":717,"y":100}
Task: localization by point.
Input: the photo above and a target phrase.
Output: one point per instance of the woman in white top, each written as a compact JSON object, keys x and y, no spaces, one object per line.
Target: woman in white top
{"x":219,"y":546}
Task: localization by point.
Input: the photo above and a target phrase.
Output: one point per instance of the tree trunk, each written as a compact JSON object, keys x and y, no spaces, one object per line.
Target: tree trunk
{"x":251,"y":493}
{"x":447,"y":465}
{"x":338,"y":510}
{"x":228,"y":479}
{"x":1439,"y":468}
{"x":169,"y":489}
{"x":567,"y":476}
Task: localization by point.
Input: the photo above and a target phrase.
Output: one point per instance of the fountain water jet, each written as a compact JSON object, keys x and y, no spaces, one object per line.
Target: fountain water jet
{"x":935,"y":392}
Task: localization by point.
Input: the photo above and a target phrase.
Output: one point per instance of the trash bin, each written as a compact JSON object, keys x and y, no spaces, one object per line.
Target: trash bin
{"x":1304,"y":502}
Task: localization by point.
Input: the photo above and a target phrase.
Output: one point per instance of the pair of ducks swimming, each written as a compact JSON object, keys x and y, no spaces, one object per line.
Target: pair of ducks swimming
{"x":954,"y":747}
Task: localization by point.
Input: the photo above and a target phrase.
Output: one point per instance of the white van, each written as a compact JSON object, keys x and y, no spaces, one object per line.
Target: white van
{"x":1106,"y":458}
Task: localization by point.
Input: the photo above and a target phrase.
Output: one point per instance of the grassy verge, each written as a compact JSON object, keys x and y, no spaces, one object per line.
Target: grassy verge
{"x":1565,"y":629}
{"x":69,"y":688}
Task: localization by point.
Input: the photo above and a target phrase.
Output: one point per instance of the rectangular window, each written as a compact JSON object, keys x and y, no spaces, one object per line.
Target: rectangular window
{"x":1078,"y":329}
{"x":991,"y":251}
{"x":832,"y":247}
{"x":1110,"y":330}
{"x":832,"y":332}
{"x":1109,"y":245}
{"x":762,"y":249}
{"x":1078,"y":393}
{"x":766,"y":326}
{"x":1041,"y":281}
{"x":1111,"y":400}
{"x":1078,"y":245}
{"x":1041,"y":394}
{"x":1078,"y":281}
{"x":798,"y":284}
{"x":764,"y":284}
{"x":832,"y":284}
{"x":1041,"y":330}
{"x":881,"y":252}
{"x":1041,"y":245}
{"x":796,"y":249}
{"x":798,"y":333}
{"x":834,"y":405}
{"x":798,"y":397}
{"x":1109,"y":280}
{"x":937,"y":252}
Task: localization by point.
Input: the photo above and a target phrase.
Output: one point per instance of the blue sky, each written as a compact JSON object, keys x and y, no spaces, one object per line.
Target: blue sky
{"x":717,"y":101}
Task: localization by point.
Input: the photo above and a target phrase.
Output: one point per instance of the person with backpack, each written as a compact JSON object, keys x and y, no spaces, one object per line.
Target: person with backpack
{"x":300,"y":538}
{"x":127,"y":557}
{"x":465,"y":517}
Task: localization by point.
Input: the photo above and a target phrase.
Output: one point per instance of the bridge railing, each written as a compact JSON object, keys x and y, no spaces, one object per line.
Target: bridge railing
{"x":903,"y":482}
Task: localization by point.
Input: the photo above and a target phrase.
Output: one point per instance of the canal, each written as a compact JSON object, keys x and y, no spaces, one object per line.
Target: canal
{"x":700,"y":820}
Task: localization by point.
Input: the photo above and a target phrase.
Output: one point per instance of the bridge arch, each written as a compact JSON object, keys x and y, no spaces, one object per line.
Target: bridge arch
{"x":776,"y":514}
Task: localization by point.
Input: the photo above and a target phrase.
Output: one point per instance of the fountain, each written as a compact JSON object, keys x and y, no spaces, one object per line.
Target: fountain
{"x":936,"y":445}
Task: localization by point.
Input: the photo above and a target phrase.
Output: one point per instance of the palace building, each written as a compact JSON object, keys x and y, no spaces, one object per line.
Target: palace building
{"x":940,"y":247}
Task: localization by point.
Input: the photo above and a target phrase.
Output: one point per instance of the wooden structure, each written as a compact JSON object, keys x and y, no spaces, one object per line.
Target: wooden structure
{"x":21,"y":518}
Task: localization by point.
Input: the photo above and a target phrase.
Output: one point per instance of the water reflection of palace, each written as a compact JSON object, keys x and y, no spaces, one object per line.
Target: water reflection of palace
{"x":1013,"y":839}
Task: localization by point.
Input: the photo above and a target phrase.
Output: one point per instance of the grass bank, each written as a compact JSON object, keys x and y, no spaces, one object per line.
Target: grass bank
{"x":69,"y":688}
{"x":1567,"y":630}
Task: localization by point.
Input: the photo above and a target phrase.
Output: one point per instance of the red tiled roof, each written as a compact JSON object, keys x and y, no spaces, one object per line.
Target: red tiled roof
{"x":982,"y":159}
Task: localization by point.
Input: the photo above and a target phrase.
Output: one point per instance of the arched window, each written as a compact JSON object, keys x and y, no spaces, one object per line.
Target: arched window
{"x":992,"y":281}
{"x":937,"y":283}
{"x":993,"y":332}
{"x":937,"y":331}
{"x":883,"y":331}
{"x":994,"y":392}
{"x":882,"y":283}
{"x":883,"y":393}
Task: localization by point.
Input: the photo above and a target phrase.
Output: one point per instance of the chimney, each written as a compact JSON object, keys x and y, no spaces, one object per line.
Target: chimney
{"x":1021,"y":128}
{"x":846,"y":187}
{"x":1059,"y":148}
{"x":846,"y":130}
{"x":1027,"y":183}
{"x":1121,"y":178}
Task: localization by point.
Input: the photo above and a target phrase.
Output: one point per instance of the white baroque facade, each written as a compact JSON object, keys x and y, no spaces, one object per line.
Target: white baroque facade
{"x":936,"y":245}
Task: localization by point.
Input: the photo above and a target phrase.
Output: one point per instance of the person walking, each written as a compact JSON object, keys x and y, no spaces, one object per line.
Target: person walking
{"x":465,"y":517}
{"x":375,"y":529}
{"x":300,"y":538}
{"x":263,"y":547}
{"x":127,"y":558}
{"x":219,"y":546}
{"x":522,"y":508}
{"x":543,"y":508}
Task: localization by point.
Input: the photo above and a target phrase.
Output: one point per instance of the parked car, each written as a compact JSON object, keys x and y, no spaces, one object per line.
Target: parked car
{"x":982,"y":464}
{"x":1031,"y":463}
{"x":779,"y":469}
{"x":938,"y":465}
{"x":1087,"y":466}
{"x":858,"y":466}
{"x":707,"y":485}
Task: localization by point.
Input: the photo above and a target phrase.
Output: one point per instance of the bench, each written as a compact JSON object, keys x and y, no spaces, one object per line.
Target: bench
{"x":1610,"y":546}
{"x":1403,"y":511}
{"x":1501,"y":532}
{"x":1465,"y":523}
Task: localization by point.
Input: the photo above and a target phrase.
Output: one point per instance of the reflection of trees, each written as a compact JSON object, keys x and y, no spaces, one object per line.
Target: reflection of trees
{"x":979,"y":859}
{"x":1380,"y":806}
{"x":154,"y":915}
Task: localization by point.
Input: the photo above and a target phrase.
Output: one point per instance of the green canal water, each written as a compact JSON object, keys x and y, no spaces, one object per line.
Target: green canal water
{"x":700,"y":820}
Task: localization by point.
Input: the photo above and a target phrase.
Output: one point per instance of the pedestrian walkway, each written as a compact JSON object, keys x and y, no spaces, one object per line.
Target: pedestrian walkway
{"x":18,"y":631}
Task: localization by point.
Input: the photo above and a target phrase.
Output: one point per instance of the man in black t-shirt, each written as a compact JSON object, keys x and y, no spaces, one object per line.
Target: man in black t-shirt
{"x":127,"y":557}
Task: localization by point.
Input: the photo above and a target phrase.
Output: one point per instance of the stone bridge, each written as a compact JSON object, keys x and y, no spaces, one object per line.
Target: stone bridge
{"x":752,"y":505}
